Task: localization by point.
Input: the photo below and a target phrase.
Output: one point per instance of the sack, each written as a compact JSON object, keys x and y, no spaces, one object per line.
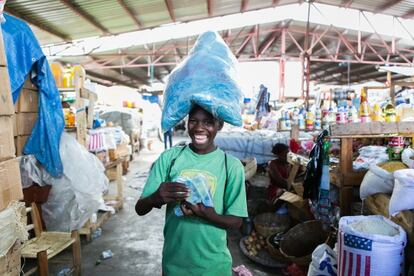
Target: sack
{"x":376,"y":180}
{"x":370,"y":245}
{"x":403,"y":194}
{"x":208,"y":78}
{"x":323,"y":262}
{"x":406,"y":157}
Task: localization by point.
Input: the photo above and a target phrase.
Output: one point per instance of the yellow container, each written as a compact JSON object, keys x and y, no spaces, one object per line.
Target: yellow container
{"x":67,"y":78}
{"x":77,"y":69}
{"x":58,"y":72}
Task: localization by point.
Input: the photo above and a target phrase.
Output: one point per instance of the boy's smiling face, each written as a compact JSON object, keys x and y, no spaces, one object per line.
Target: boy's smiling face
{"x":202,"y":129}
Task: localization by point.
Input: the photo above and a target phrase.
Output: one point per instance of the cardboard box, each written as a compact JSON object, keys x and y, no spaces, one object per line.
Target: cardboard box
{"x":3,"y":59}
{"x":111,"y":174}
{"x":20,"y":142}
{"x":6,"y":138}
{"x":122,"y":150}
{"x":25,"y":123}
{"x":6,"y":101}
{"x":10,"y":182}
{"x":14,"y":122}
{"x":28,"y":101}
{"x":29,"y":85}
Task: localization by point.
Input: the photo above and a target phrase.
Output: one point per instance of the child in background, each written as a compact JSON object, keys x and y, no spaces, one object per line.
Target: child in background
{"x":278,"y":170}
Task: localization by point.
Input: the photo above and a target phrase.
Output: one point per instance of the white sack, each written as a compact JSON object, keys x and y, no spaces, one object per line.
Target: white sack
{"x":323,"y":262}
{"x":403,"y":195}
{"x":376,"y":180}
{"x":367,"y":252}
{"x":406,"y":157}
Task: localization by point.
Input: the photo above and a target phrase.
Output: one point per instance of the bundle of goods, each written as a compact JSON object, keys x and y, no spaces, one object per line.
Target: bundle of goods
{"x":109,"y":143}
{"x":208,"y":78}
{"x":370,"y":155}
{"x":75,"y":196}
{"x":370,"y":245}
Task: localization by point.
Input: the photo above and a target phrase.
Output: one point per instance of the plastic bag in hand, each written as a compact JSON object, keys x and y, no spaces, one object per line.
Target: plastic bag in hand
{"x":208,"y":78}
{"x":199,"y":192}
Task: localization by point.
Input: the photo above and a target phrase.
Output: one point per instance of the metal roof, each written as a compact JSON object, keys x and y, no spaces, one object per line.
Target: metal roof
{"x":62,"y":20}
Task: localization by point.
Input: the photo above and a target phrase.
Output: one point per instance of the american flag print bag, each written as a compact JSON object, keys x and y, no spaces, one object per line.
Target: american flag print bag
{"x":361,"y":253}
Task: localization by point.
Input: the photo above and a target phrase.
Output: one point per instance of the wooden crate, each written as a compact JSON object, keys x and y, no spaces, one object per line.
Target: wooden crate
{"x":25,"y":123}
{"x":10,"y":182}
{"x":28,"y":101}
{"x":6,"y":137}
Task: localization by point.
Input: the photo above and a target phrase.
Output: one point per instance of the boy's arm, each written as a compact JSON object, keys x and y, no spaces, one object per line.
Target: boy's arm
{"x":209,"y":214}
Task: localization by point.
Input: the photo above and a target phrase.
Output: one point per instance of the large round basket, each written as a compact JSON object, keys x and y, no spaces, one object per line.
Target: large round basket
{"x":299,"y":242}
{"x":274,"y":251}
{"x":267,"y":224}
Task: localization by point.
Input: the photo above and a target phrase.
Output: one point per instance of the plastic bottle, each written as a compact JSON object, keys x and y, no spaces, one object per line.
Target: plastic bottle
{"x":58,"y":72}
{"x":310,"y":120}
{"x":295,"y":116}
{"x":377,"y":114}
{"x":390,"y":113}
{"x":353,"y":114}
{"x":364,"y":107}
{"x":301,"y":121}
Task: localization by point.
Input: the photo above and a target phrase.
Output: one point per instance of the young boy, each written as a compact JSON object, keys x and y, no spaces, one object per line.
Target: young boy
{"x":278,"y":171}
{"x":196,"y":244}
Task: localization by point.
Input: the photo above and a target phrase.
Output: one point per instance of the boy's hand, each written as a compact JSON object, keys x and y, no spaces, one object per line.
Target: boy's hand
{"x":170,"y":192}
{"x":200,"y":210}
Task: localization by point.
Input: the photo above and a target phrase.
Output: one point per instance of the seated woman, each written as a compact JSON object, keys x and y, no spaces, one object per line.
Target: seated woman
{"x":278,"y":170}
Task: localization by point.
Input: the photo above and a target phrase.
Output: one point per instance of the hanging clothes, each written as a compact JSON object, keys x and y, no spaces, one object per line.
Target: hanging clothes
{"x":262,"y":107}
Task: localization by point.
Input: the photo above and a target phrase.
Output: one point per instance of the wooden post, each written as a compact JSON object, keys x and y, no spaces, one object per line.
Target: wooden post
{"x":120,"y":184}
{"x":42,"y":263}
{"x":346,"y":155}
{"x":76,"y":253}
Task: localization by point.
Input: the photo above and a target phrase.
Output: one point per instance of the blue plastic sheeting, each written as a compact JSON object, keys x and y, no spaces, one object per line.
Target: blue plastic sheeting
{"x":24,"y":57}
{"x":207,"y":77}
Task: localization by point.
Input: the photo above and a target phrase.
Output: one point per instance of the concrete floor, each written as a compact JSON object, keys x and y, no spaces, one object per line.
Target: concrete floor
{"x":136,"y":242}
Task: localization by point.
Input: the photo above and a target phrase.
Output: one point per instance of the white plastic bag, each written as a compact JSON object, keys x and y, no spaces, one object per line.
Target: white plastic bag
{"x":323,"y":262}
{"x":376,"y":180}
{"x":406,"y":157}
{"x":403,"y":195}
{"x":78,"y":193}
{"x":362,"y":250}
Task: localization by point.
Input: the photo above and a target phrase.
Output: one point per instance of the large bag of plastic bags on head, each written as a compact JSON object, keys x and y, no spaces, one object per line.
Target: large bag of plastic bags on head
{"x":376,"y":180}
{"x":403,"y":194}
{"x":76,"y":195}
{"x":323,"y":262}
{"x":370,"y":245}
{"x":208,"y":78}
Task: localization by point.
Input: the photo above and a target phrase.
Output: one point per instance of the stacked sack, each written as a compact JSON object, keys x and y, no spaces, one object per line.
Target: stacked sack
{"x":208,"y":78}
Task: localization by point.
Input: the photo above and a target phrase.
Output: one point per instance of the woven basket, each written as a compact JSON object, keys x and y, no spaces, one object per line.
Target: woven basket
{"x":299,"y":242}
{"x":267,"y":224}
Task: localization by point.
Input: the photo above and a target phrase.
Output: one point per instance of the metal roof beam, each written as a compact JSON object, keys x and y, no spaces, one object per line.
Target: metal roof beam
{"x":275,"y":3}
{"x":111,"y":79}
{"x":130,"y":13}
{"x":170,"y":9}
{"x":408,"y":14}
{"x":346,"y":3}
{"x":210,"y":7}
{"x":246,"y":40}
{"x":36,"y":23}
{"x":244,"y":5}
{"x":386,"y":6}
{"x":82,"y":13}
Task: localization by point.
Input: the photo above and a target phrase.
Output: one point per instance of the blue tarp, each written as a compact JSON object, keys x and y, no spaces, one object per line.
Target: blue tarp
{"x":24,"y":58}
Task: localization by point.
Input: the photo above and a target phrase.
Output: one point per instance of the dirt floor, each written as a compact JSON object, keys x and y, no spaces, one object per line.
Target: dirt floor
{"x":136,"y":242}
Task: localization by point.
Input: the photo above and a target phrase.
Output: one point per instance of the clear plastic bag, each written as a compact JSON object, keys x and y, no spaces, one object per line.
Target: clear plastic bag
{"x":208,"y":78}
{"x":76,"y":195}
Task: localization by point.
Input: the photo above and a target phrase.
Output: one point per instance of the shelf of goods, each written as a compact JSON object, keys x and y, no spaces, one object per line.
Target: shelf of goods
{"x":83,"y":119}
{"x":344,"y":177}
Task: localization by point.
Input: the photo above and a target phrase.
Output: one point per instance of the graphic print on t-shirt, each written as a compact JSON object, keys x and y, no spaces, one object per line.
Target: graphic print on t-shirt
{"x":211,"y":178}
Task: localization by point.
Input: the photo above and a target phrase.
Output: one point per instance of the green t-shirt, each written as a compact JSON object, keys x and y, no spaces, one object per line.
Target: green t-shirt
{"x":193,"y":246}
